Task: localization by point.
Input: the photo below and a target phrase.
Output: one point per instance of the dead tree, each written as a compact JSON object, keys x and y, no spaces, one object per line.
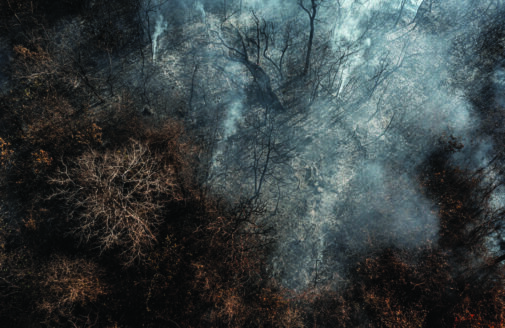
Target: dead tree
{"x":312,"y":12}
{"x":240,"y":50}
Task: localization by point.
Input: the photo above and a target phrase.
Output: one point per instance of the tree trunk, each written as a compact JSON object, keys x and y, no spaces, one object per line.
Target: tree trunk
{"x":312,"y":17}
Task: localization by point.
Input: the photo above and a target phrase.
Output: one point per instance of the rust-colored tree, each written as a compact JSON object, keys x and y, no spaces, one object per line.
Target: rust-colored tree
{"x":116,"y":197}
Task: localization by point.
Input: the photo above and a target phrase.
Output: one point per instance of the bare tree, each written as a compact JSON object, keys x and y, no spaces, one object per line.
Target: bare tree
{"x":312,"y":12}
{"x":257,"y":41}
{"x":116,"y":197}
{"x":400,"y":13}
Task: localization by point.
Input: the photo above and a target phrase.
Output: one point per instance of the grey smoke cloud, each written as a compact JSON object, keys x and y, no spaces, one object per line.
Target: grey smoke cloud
{"x":355,"y":146}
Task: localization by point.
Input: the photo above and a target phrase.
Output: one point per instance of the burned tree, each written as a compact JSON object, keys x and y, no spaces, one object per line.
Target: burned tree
{"x":312,"y":12}
{"x":240,"y":49}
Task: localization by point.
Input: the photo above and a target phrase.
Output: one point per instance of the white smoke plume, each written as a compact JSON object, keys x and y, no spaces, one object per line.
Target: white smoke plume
{"x":160,"y":27}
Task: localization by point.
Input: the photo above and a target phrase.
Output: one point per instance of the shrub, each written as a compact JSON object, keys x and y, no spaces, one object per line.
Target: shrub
{"x":66,"y":285}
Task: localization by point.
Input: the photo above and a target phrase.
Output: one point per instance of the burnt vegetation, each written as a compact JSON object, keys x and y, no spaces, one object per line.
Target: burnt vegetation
{"x":106,"y":219}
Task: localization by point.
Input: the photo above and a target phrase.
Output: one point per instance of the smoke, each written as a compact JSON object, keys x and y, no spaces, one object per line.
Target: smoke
{"x":200,"y":9}
{"x":160,"y":27}
{"x":233,"y":115}
{"x":387,"y":93}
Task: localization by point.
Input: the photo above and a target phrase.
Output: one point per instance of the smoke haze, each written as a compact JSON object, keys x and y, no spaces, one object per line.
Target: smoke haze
{"x":385,"y":88}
